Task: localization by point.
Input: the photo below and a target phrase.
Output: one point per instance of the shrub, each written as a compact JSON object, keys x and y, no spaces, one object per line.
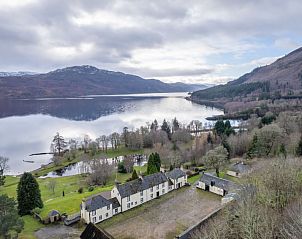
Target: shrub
{"x":80,"y":190}
{"x":90,"y":189}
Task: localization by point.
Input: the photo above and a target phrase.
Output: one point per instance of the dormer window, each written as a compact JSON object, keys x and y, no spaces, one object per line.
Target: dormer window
{"x":212,"y":183}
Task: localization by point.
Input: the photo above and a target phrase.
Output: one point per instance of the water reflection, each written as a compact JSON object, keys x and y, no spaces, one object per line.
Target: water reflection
{"x":84,"y":167}
{"x":32,"y":125}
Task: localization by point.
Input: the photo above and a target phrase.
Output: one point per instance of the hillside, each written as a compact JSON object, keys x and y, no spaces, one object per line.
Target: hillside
{"x":83,"y":80}
{"x":281,"y":79}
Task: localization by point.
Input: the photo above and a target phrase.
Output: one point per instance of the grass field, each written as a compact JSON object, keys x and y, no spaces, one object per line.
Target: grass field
{"x":69,"y":204}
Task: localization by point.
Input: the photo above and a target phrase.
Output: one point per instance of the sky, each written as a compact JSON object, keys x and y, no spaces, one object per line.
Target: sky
{"x":202,"y":41}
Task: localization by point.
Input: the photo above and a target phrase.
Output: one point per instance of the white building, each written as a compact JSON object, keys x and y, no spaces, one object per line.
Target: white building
{"x":131,"y":194}
{"x":215,"y":185}
{"x":178,"y":178}
{"x":97,"y":208}
{"x":238,"y":169}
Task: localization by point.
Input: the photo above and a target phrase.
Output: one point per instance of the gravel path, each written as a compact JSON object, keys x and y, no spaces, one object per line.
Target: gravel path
{"x":57,"y":232}
{"x":165,"y":217}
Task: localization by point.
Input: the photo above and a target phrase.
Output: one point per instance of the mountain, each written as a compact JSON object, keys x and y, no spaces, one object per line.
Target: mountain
{"x":191,"y":87}
{"x":281,"y":79}
{"x":18,"y":73}
{"x":83,"y":80}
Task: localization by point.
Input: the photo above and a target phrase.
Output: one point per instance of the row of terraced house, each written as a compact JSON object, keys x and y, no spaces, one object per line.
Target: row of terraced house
{"x":131,"y":194}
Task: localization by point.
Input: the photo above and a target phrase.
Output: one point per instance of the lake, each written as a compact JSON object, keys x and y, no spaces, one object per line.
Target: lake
{"x":28,"y":126}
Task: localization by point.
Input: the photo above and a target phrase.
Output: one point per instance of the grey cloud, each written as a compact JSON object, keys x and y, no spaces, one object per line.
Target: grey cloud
{"x":26,"y":33}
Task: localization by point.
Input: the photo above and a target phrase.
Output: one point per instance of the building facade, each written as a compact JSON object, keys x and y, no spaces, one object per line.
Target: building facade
{"x":131,"y":194}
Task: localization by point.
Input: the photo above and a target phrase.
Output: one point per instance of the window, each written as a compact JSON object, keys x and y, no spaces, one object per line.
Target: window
{"x":151,"y":195}
{"x":170,"y":187}
{"x":93,"y":213}
{"x":142,"y":193}
{"x":142,"y":200}
{"x":94,"y":219}
{"x":128,"y":199}
{"x":135,"y":203}
{"x":116,"y":210}
{"x":151,"y":190}
{"x":163,"y":191}
{"x":108,"y":207}
{"x":131,"y":203}
{"x":212,"y":183}
{"x":107,"y":214}
{"x":157,"y":187}
{"x":100,"y":217}
{"x":128,"y":205}
{"x":163,"y":185}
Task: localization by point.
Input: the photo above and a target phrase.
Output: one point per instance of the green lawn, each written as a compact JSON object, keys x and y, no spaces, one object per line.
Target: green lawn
{"x":69,"y":204}
{"x":194,"y":178}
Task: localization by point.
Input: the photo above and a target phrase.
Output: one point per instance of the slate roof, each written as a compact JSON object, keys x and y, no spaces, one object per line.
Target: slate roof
{"x":176,"y":173}
{"x":53,"y":213}
{"x":115,"y":202}
{"x":141,"y":184}
{"x":93,"y":232}
{"x":240,"y":167}
{"x":96,"y":202}
{"x":218,"y":182}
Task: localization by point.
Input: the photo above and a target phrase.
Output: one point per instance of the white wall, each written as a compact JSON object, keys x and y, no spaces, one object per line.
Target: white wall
{"x":100,"y":214}
{"x":212,"y":189}
{"x":233,"y":174}
{"x":147,"y":195}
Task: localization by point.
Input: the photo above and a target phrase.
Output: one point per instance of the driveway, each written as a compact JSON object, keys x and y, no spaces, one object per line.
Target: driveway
{"x":165,"y":217}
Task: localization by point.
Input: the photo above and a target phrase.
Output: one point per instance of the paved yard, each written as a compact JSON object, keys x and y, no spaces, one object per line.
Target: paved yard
{"x":165,"y":217}
{"x":58,"y":232}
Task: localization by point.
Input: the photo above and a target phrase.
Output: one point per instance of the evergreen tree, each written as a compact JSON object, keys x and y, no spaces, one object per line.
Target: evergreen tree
{"x":165,"y":127}
{"x":28,"y":194}
{"x":175,"y":125}
{"x":282,"y":150}
{"x":171,"y":167}
{"x":226,"y":145}
{"x":157,"y":161}
{"x":9,"y":218}
{"x":134,"y":175}
{"x":252,"y":151}
{"x":299,"y":148}
{"x":153,"y":163}
{"x":219,"y":127}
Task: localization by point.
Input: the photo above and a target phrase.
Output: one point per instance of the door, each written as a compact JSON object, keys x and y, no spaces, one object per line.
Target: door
{"x":207,"y":188}
{"x":157,"y":194}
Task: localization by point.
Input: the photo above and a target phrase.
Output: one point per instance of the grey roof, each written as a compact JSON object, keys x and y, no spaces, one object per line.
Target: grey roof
{"x":96,"y":202}
{"x":53,"y":213}
{"x":176,"y":173}
{"x":218,"y":182}
{"x":240,"y":167}
{"x":141,"y":184}
{"x":115,"y":202}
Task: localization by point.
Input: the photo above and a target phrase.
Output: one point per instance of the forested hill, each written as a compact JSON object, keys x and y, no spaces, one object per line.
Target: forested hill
{"x":283,"y":78}
{"x":83,"y":80}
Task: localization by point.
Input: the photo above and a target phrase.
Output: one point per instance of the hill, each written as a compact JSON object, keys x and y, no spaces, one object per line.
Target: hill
{"x":83,"y":80}
{"x":281,"y":79}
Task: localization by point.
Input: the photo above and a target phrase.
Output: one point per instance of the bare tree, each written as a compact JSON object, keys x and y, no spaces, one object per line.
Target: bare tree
{"x":86,"y":142}
{"x":128,"y":163}
{"x":3,"y":168}
{"x":216,"y":159}
{"x":52,"y":185}
{"x":101,"y":171}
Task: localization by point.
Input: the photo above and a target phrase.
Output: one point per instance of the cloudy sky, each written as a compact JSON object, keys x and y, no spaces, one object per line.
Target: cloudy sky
{"x":190,"y":41}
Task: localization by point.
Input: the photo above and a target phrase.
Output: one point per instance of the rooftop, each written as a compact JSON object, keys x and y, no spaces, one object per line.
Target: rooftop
{"x":219,"y":182}
{"x":240,"y":167}
{"x":175,"y":173}
{"x":96,"y":202}
{"x":141,"y":184}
